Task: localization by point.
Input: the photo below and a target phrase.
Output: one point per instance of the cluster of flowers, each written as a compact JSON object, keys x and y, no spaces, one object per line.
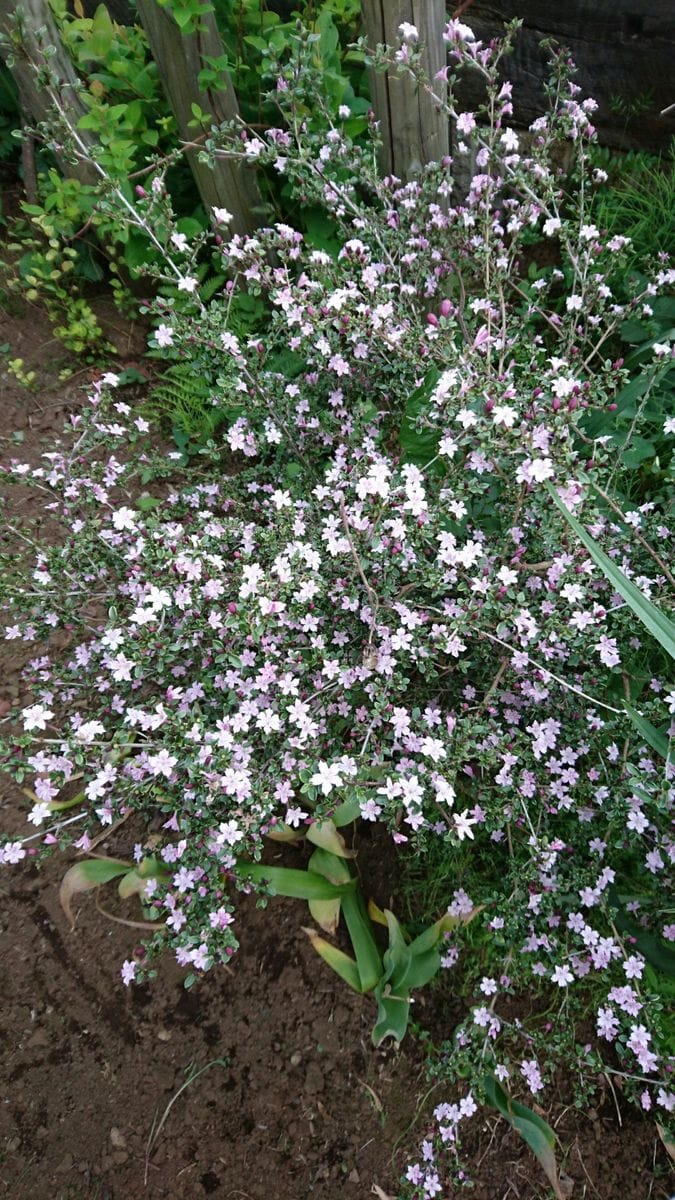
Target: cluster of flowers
{"x":384,"y":605}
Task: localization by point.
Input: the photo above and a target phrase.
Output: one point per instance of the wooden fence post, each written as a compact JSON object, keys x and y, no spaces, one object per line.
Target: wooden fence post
{"x":26,"y":31}
{"x":180,"y":57}
{"x":413,"y":131}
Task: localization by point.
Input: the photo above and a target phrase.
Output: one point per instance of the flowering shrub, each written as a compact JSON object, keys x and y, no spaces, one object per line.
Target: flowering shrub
{"x":385,"y":607}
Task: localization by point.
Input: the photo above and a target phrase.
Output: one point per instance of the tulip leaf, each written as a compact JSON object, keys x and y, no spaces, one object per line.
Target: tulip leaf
{"x":85,"y":876}
{"x":346,"y":813}
{"x":653,"y":736}
{"x":281,"y":832}
{"x":131,"y":884}
{"x":363,"y":942}
{"x":392,"y":1015}
{"x":532,"y":1128}
{"x":326,"y":913}
{"x":325,"y":835}
{"x":330,"y":866}
{"x":421,"y":969}
{"x":376,"y":914}
{"x":288,"y":881}
{"x":341,"y":963}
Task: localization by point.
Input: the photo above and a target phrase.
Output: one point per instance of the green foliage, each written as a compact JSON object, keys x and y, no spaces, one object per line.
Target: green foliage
{"x":183,"y":399}
{"x":391,"y":975}
{"x":654,"y":620}
{"x":638,"y":201}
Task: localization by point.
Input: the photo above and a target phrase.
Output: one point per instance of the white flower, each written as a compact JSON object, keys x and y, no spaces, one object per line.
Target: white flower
{"x":281,"y":499}
{"x":36,"y":717}
{"x":541,"y":469}
{"x":504,"y":414}
{"x":463,"y":823}
{"x":162,"y":763}
{"x":408,"y":32}
{"x":88,"y":731}
{"x":509,"y":139}
{"x":456,"y":31}
{"x":180,"y":241}
{"x":433,"y":748}
{"x":222,"y":216}
{"x":188,"y":283}
{"x":552,"y":226}
{"x":254,"y":148}
{"x":574,"y":303}
{"x":589,"y":232}
{"x":124,"y":518}
{"x":164,"y":335}
{"x":12,"y":852}
{"x":327,"y":777}
{"x":39,"y":813}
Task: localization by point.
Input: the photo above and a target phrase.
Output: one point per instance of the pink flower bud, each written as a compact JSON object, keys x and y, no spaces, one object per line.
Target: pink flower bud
{"x":140,"y":192}
{"x":432,"y":319}
{"x":556,"y":404}
{"x":445,"y":308}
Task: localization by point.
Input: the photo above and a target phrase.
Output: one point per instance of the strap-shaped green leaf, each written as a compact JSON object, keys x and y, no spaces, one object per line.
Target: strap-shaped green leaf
{"x":393,"y":1012}
{"x":363,"y":942}
{"x":288,"y":881}
{"x":658,"y":624}
{"x":653,"y":736}
{"x":87,"y":875}
{"x":532,"y":1128}
{"x":325,"y":834}
{"x":341,"y":963}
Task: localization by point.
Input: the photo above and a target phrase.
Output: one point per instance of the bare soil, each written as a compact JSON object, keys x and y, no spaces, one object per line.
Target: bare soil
{"x":292,"y":1101}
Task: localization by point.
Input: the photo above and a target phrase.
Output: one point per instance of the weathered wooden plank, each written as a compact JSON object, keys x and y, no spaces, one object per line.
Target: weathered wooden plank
{"x":27,"y":30}
{"x":624,"y":51}
{"x":180,"y":57}
{"x":413,"y":131}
